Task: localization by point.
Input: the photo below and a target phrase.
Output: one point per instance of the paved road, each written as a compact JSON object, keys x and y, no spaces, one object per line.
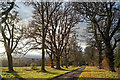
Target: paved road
{"x":74,"y":75}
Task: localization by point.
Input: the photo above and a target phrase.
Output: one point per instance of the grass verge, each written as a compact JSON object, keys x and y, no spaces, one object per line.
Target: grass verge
{"x":93,"y":73}
{"x":26,"y":73}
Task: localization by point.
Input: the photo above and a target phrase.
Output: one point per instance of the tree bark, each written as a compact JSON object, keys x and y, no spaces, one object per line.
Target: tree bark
{"x":109,"y":54}
{"x":111,"y":61}
{"x":52,"y":64}
{"x":43,"y":55}
{"x":62,"y":63}
{"x":10,"y":62}
{"x":43,"y":39}
{"x":66,"y":61}
{"x":66,"y":64}
{"x":100,"y":59}
{"x":58,"y":62}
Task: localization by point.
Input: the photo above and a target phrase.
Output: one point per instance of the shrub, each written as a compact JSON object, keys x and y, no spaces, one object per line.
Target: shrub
{"x":33,"y":66}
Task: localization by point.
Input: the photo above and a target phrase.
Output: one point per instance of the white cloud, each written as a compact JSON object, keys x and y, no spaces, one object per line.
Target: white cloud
{"x":24,"y":11}
{"x":25,"y":21}
{"x":81,"y":34}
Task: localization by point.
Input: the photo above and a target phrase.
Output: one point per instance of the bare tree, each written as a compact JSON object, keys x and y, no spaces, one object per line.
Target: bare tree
{"x":11,"y":34}
{"x":104,"y":16}
{"x":53,"y":23}
{"x":61,"y":24}
{"x":95,"y":40}
{"x":5,"y":8}
{"x":41,"y":19}
{"x":65,"y":53}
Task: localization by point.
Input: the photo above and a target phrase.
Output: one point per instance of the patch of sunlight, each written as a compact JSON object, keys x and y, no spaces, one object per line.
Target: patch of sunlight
{"x":95,"y":73}
{"x":28,"y":73}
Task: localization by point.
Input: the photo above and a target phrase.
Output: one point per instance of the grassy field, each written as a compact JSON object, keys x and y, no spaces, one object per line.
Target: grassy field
{"x":93,"y":73}
{"x":26,"y":73}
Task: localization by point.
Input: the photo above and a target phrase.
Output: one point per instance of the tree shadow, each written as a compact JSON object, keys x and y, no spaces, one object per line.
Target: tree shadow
{"x":47,"y":72}
{"x":14,"y":73}
{"x":62,"y":69}
{"x":31,"y":69}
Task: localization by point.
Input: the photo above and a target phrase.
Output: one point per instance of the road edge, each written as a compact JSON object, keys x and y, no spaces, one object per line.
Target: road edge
{"x":65,"y":73}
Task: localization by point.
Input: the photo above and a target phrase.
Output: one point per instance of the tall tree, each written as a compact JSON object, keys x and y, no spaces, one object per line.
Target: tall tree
{"x":62,"y":22}
{"x":95,"y":40}
{"x":40,"y":24}
{"x":105,"y":16}
{"x":11,"y":34}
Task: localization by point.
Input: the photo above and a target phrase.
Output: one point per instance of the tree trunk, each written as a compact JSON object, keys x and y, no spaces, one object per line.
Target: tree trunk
{"x":62,"y":63}
{"x":43,"y":55}
{"x":109,"y":54}
{"x":111,"y":61}
{"x":100,"y":59}
{"x":58,"y":62}
{"x":43,"y":39}
{"x":66,"y":66}
{"x":10,"y":62}
{"x":66,"y":61}
{"x":52,"y":65}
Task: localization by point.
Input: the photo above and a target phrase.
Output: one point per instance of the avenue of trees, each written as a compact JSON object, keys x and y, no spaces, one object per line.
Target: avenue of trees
{"x":104,"y":19}
{"x":52,"y":30}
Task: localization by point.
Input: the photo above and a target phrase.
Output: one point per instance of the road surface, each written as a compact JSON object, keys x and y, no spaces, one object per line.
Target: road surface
{"x":74,"y":75}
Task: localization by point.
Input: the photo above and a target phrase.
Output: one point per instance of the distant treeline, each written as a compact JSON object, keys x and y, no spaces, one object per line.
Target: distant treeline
{"x":21,"y":62}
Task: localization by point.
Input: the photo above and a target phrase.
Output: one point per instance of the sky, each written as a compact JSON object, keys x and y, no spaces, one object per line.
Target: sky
{"x":25,"y":13}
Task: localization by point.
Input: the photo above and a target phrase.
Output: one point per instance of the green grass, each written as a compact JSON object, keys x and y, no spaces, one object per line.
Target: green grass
{"x":93,"y":73}
{"x":28,"y":74}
